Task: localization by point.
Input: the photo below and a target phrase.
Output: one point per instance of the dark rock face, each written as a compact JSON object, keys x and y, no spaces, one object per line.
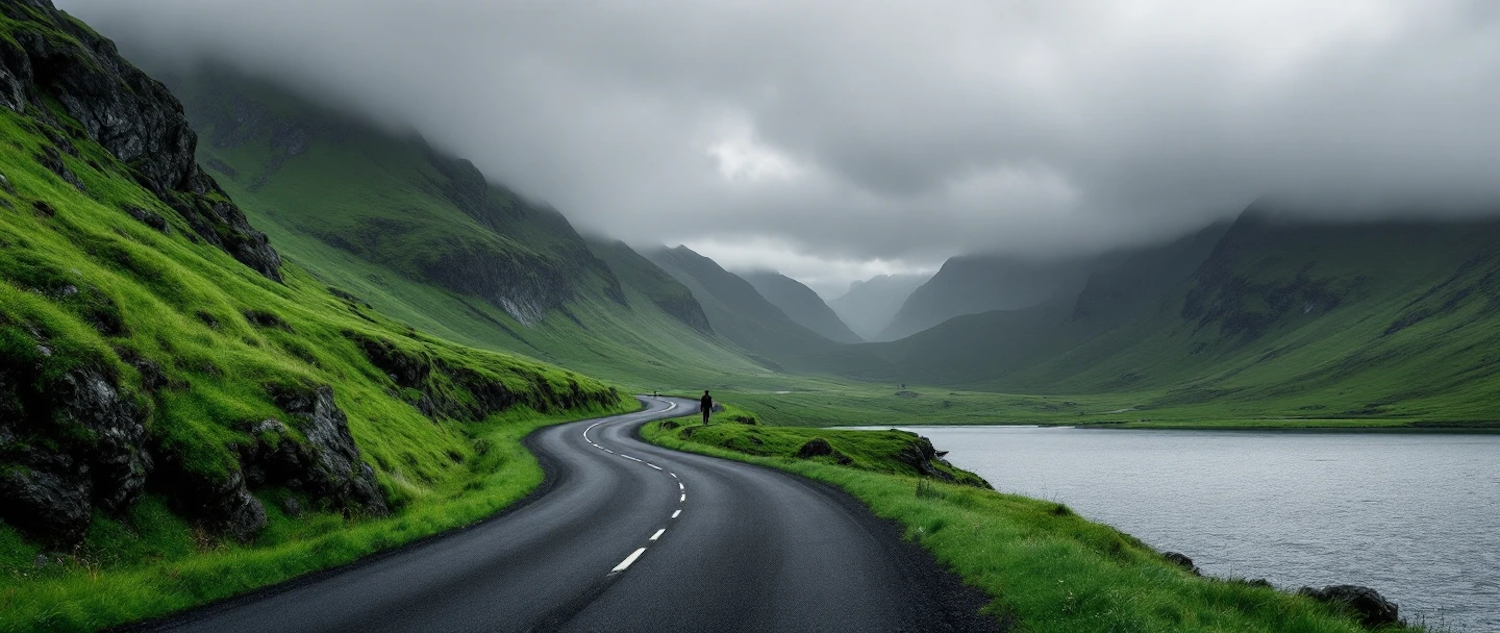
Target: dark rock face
{"x":131,"y":115}
{"x":815,"y":447}
{"x":1181,"y":560}
{"x":227,"y":506}
{"x":525,"y":290}
{"x":50,"y":482}
{"x":920,"y":455}
{"x":50,"y":506}
{"x":119,"y":461}
{"x":1246,"y":308}
{"x":329,"y":464}
{"x":1372,"y":609}
{"x":149,"y":218}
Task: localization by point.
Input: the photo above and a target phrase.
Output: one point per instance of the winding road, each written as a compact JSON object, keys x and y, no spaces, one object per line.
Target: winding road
{"x":628,"y":536}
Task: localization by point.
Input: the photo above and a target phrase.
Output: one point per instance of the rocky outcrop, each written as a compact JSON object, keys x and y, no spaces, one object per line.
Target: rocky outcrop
{"x":225,"y":506}
{"x":526,"y":288}
{"x":920,"y":455}
{"x":1372,"y":609}
{"x":1228,"y":293}
{"x":56,"y":60}
{"x":464,"y":393}
{"x":1181,"y":560}
{"x":328,"y":466}
{"x":543,"y":284}
{"x":68,"y":444}
{"x":815,"y":447}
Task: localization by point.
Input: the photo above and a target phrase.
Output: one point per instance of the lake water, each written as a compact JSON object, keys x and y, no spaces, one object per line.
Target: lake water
{"x":1414,"y":516}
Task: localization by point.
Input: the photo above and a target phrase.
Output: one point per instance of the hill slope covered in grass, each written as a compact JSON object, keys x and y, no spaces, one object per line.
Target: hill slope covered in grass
{"x":184,"y":415}
{"x":1282,"y":317}
{"x":973,"y":284}
{"x":803,"y":306}
{"x":739,"y":313}
{"x":430,"y":241}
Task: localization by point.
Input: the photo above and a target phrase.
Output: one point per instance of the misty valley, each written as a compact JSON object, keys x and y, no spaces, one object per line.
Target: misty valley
{"x":453,"y":316}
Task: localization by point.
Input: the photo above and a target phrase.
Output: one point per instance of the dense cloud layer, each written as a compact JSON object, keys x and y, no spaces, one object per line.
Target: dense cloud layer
{"x":872,"y":136}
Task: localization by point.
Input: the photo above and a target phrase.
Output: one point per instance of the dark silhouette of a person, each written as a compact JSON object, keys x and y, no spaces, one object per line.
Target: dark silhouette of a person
{"x":706,"y":404}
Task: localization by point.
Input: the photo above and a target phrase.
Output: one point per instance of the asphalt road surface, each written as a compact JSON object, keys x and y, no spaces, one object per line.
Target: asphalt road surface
{"x":627,"y":536}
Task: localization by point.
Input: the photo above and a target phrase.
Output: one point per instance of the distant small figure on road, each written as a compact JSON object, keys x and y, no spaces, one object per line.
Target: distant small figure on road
{"x":706,"y":403}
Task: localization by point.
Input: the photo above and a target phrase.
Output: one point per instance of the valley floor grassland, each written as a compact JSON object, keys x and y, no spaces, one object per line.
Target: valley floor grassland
{"x":812,"y":401}
{"x":160,"y":565}
{"x":1047,"y":568}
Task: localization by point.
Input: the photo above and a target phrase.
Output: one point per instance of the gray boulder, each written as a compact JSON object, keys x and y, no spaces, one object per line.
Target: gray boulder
{"x":1181,"y":560}
{"x":1372,"y":609}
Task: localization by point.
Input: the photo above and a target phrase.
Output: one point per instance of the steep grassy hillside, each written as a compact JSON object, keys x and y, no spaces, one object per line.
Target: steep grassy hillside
{"x":974,"y":284}
{"x":739,"y":313}
{"x":870,"y":305}
{"x":992,"y":346}
{"x":1283,"y":318}
{"x":182,"y":414}
{"x":429,"y":241}
{"x":389,"y":200}
{"x":803,"y":306}
{"x":638,"y":273}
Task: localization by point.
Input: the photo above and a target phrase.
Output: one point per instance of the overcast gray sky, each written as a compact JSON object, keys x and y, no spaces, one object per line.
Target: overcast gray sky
{"x":840,"y":139}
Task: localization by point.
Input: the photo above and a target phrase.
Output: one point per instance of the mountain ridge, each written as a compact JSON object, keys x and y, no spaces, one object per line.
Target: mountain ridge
{"x":802,"y":305}
{"x":869,"y":305}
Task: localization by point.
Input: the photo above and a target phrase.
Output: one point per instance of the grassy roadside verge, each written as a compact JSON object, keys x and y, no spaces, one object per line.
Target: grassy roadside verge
{"x":108,"y":585}
{"x":1047,"y":568}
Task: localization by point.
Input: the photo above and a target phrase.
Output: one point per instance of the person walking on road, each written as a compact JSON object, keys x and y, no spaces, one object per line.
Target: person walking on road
{"x":706,"y":404}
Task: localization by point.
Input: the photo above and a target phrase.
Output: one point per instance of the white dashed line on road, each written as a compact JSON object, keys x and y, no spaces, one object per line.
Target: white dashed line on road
{"x":625,"y":564}
{"x":682,"y":498}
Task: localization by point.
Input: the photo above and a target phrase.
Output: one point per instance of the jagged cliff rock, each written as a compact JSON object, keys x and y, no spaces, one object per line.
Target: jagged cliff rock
{"x":56,"y":59}
{"x":80,"y":434}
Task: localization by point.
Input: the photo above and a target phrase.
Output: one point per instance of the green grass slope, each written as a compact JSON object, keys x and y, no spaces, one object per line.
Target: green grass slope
{"x":803,"y":306}
{"x":973,"y":284}
{"x":365,"y":211}
{"x":1283,"y":318}
{"x":170,"y":417}
{"x":740,"y":314}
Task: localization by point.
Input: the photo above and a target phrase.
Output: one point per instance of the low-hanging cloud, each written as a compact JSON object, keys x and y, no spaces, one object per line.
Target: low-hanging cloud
{"x":897,"y":132}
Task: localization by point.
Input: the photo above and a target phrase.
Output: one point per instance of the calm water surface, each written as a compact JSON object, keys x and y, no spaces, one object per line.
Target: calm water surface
{"x":1415,"y":516}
